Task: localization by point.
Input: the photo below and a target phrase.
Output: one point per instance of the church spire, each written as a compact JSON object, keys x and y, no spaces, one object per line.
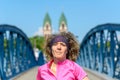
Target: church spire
{"x":47,"y":19}
{"x":62,"y":23}
{"x":47,"y":29}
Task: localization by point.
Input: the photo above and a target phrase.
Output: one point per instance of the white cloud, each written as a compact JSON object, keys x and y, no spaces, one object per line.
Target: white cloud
{"x":39,"y":32}
{"x":54,"y":31}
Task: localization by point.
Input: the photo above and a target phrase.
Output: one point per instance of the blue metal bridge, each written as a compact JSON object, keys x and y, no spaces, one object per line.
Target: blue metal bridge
{"x":99,"y":51}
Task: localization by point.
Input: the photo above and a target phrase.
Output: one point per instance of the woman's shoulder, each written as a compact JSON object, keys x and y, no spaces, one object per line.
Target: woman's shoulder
{"x":73,"y":64}
{"x":45,"y":66}
{"x":78,"y":70}
{"x":42,"y":67}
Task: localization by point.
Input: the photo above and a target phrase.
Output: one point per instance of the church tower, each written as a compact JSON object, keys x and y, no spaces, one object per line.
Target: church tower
{"x":47,"y":29}
{"x":63,"y":24}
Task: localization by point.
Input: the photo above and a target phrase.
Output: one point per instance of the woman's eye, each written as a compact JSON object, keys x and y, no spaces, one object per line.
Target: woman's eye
{"x":63,"y":44}
{"x":55,"y":44}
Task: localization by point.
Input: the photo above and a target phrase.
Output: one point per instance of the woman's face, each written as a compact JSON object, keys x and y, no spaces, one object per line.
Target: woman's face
{"x":59,"y":50}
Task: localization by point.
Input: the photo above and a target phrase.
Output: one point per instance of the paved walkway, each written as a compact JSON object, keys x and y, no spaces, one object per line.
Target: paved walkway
{"x":28,"y":75}
{"x":93,"y":75}
{"x":31,"y":75}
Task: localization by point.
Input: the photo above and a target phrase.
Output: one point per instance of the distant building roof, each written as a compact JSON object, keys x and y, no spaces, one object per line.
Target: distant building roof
{"x":47,"y":19}
{"x":62,"y":19}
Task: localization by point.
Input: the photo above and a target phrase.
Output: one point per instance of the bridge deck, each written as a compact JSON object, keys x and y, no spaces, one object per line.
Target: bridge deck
{"x":28,"y":75}
{"x":31,"y":75}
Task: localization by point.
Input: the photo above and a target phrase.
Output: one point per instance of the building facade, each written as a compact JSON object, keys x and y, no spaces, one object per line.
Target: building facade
{"x":63,"y":24}
{"x":47,"y":25}
{"x":47,"y":28}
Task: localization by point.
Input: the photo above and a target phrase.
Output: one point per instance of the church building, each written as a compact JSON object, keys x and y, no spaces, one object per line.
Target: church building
{"x":47,"y":25}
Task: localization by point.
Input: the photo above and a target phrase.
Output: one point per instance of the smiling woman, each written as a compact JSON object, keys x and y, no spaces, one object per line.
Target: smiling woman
{"x":61,"y":51}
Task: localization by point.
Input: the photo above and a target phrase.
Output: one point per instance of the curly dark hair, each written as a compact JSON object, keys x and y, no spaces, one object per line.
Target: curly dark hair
{"x":73,"y":50}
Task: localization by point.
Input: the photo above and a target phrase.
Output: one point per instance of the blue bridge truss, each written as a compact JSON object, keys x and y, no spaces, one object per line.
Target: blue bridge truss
{"x":16,"y":52}
{"x":100,"y":50}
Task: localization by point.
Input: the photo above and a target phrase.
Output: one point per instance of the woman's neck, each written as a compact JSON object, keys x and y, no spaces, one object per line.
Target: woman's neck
{"x":56,"y":61}
{"x":53,"y":68}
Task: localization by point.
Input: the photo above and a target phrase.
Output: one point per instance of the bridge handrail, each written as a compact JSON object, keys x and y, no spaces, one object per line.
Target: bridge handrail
{"x":98,"y":28}
{"x":4,"y":27}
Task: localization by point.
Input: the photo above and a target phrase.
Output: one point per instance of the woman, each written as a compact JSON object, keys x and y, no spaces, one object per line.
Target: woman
{"x":61,"y":51}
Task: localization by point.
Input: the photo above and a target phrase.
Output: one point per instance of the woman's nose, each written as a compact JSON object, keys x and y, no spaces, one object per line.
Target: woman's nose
{"x":58,"y":46}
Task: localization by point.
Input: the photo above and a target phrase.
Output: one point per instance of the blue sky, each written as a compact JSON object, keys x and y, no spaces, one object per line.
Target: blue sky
{"x":81,"y":15}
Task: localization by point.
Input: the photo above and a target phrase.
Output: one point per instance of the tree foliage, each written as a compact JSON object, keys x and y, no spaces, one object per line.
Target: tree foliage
{"x":38,"y":42}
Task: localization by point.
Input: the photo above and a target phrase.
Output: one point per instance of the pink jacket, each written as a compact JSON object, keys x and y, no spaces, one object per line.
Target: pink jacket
{"x":66,"y":70}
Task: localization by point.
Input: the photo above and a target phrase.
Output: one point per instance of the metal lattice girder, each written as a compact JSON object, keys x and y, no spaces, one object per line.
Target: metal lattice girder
{"x":2,"y":74}
{"x":16,"y":52}
{"x":101,"y":48}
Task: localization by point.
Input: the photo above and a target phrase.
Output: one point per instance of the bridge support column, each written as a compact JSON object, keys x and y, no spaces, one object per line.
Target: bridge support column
{"x":101,"y":52}
{"x":2,"y":74}
{"x":112,"y":47}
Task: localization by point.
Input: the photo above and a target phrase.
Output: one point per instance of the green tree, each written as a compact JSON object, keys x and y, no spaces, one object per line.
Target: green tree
{"x":38,"y":42}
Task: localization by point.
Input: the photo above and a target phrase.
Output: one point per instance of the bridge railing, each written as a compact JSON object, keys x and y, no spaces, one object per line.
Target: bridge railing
{"x":100,"y":50}
{"x":16,"y":52}
{"x":41,"y":59}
